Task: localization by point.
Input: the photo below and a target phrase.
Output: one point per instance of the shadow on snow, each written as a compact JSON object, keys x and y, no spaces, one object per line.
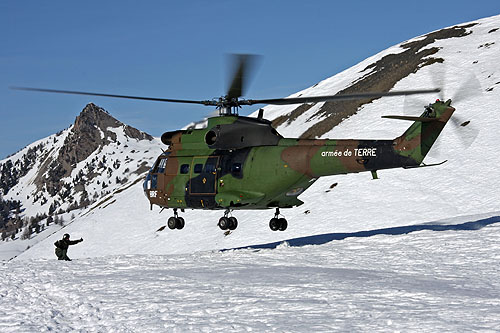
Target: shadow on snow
{"x":325,"y":238}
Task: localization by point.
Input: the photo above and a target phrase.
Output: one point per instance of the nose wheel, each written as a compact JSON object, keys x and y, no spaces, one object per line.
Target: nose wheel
{"x":175,"y":222}
{"x":278,"y":223}
{"x":227,"y":222}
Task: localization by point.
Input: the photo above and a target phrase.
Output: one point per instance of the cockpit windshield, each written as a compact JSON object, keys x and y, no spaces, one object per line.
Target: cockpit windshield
{"x":161,"y":163}
{"x":160,"y":167}
{"x":151,"y":181}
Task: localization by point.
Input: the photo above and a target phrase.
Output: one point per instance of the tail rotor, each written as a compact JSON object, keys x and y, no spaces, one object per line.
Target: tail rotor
{"x":462,"y":124}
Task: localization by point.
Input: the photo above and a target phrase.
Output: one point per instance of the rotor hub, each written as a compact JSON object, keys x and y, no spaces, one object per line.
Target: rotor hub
{"x":227,"y":106}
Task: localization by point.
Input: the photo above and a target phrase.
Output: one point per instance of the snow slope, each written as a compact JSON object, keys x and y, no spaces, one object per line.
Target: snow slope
{"x":465,"y":185}
{"x":416,"y":250}
{"x":425,"y":281}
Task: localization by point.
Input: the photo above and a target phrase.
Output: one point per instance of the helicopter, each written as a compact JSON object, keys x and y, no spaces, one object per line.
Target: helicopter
{"x":239,"y":162}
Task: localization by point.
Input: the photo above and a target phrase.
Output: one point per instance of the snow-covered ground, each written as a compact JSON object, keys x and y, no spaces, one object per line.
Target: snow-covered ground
{"x":416,"y":250}
{"x":443,"y":278}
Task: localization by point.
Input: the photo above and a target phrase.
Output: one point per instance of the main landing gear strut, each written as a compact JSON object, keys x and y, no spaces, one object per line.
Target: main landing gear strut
{"x":278,"y":223}
{"x":230,"y":222}
{"x":226,"y":222}
{"x":175,"y":222}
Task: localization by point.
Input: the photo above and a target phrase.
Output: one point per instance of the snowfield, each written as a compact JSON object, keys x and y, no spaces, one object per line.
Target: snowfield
{"x":416,"y":250}
{"x":425,"y":281}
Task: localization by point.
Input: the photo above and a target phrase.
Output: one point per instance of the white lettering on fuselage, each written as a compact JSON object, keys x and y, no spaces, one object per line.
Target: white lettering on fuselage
{"x":357,"y":152}
{"x":365,"y":152}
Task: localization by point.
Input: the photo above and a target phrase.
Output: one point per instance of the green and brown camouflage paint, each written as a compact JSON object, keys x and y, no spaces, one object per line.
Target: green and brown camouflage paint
{"x":220,"y":167}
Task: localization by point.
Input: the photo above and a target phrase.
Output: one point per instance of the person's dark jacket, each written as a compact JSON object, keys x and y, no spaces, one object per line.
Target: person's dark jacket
{"x":64,"y":243}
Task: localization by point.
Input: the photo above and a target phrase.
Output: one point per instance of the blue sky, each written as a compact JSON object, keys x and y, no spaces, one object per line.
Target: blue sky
{"x":177,"y":49}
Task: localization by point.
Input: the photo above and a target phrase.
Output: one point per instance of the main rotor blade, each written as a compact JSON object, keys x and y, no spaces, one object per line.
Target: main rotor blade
{"x":244,"y":65}
{"x":208,"y":102}
{"x":315,"y":99}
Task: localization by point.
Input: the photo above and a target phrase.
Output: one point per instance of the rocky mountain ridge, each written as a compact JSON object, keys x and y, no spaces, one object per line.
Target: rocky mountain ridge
{"x":380,"y":76}
{"x":91,"y":131}
{"x":76,"y":166}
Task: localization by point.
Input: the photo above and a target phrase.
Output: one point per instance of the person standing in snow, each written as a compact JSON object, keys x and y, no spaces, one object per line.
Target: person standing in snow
{"x":62,"y":247}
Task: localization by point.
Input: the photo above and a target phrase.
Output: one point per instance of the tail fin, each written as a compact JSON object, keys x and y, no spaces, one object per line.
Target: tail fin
{"x":418,"y":139}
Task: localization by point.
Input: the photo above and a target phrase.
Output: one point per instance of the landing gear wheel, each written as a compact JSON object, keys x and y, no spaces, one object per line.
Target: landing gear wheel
{"x":175,"y":222}
{"x":172,"y":222}
{"x":278,"y":223}
{"x":224,"y":223}
{"x":233,"y":223}
{"x":180,"y":223}
{"x":274,"y":224}
{"x":283,"y":224}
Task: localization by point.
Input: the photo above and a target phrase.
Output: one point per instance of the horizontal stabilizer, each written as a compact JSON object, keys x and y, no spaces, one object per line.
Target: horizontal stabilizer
{"x":422,"y":119}
{"x":424,"y":165}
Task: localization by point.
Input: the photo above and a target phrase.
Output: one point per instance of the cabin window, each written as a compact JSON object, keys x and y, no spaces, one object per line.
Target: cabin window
{"x":198,"y":168}
{"x":209,"y":168}
{"x":236,"y":168}
{"x":184,"y":168}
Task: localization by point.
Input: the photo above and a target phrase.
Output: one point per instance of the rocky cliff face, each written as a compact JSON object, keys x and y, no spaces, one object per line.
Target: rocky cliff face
{"x":92,"y":130}
{"x":77,"y":165}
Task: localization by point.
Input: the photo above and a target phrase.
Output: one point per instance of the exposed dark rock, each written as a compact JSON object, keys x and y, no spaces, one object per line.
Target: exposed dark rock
{"x":10,"y":173}
{"x":55,"y":160}
{"x":486,"y":45}
{"x":136,"y":134}
{"x":143,"y":167}
{"x":381,"y":76}
{"x":289,"y":118}
{"x":91,"y":131}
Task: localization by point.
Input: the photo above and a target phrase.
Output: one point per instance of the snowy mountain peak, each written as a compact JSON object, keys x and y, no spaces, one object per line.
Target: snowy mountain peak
{"x":94,"y":119}
{"x":93,"y":129}
{"x":76,"y":166}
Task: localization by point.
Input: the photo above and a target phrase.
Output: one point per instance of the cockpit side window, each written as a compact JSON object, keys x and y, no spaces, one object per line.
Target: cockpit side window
{"x":160,"y":166}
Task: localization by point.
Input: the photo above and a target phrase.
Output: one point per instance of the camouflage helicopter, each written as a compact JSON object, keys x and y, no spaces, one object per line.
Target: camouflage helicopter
{"x":239,"y":162}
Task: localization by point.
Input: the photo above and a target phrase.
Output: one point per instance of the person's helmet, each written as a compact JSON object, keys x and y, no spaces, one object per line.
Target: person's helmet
{"x":66,"y":236}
